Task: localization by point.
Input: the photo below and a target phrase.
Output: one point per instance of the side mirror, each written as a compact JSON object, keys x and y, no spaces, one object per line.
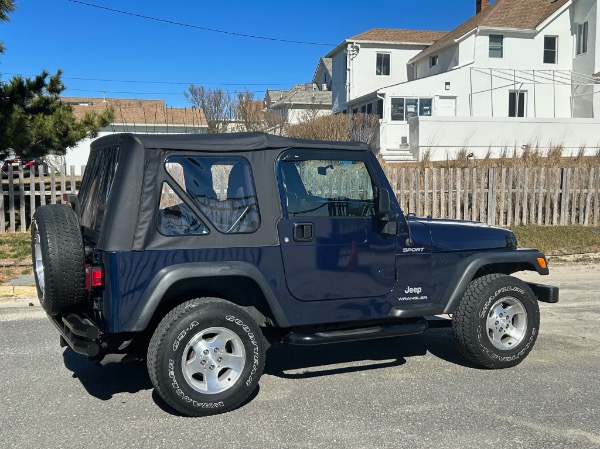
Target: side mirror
{"x":384,"y":205}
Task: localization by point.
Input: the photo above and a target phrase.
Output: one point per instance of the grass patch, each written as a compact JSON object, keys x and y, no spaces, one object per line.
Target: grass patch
{"x":559,"y":240}
{"x":15,"y":247}
{"x":15,"y":256}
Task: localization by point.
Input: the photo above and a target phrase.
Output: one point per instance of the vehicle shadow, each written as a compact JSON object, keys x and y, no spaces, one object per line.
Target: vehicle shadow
{"x":116,"y":374}
{"x":301,"y":362}
{"x":113,"y":375}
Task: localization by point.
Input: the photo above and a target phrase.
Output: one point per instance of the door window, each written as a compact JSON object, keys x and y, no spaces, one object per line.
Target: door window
{"x":327,"y":188}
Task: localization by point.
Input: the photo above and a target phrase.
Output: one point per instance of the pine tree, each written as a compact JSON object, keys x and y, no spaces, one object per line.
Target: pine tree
{"x":33,"y":120}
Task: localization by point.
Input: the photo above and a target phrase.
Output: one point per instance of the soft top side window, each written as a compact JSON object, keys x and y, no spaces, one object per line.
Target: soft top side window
{"x":221,"y":187}
{"x":96,"y":185}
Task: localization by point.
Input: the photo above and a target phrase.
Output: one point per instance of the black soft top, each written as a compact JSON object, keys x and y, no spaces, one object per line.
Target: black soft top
{"x":130,"y":214}
{"x":231,"y":142}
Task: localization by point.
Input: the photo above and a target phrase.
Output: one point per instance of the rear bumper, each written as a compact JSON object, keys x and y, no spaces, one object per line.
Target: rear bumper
{"x":544,"y":293}
{"x":79,"y":333}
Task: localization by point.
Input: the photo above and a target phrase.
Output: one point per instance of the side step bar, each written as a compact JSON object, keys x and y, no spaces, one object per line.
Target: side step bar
{"x":79,"y":333}
{"x":368,"y":333}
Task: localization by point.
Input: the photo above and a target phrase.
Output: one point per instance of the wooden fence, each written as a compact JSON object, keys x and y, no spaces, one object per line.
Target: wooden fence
{"x":21,"y":192}
{"x":503,"y":197}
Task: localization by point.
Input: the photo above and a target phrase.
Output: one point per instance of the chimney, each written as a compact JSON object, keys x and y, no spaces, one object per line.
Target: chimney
{"x":480,"y":5}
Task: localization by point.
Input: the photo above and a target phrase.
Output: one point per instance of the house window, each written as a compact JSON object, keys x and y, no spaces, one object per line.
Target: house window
{"x":496,"y":46}
{"x":516,"y":103}
{"x":550,"y":49}
{"x":582,"y":38}
{"x":425,"y":106}
{"x":405,"y":108}
{"x":383,"y":64}
{"x":380,"y":108}
{"x":370,"y":108}
{"x":433,"y":61}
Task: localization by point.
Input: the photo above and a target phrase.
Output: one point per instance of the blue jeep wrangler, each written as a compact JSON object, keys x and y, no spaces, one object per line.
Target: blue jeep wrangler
{"x":202,"y":250}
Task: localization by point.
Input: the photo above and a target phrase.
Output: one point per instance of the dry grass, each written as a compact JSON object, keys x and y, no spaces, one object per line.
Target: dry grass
{"x":559,"y":240}
{"x":342,"y":127}
{"x":529,"y":157}
{"x":15,"y":256}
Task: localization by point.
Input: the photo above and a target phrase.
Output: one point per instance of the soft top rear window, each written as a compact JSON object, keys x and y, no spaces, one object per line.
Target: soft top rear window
{"x":96,"y":184}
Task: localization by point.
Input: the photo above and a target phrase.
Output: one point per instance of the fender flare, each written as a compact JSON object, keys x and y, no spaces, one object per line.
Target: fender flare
{"x":467,"y":269}
{"x":168,"y":276}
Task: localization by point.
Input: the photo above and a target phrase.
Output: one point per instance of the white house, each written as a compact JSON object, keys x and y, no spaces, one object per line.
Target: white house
{"x":371,"y":60}
{"x":518,"y":73}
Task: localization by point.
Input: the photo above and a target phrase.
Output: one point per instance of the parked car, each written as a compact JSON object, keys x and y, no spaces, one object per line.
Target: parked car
{"x":202,"y":250}
{"x":17,"y":162}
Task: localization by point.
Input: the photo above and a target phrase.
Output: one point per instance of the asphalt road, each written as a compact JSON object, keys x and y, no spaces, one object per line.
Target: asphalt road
{"x":413,"y":392}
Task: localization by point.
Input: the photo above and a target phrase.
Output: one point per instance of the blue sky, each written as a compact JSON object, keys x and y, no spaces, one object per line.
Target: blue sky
{"x":159,"y":60}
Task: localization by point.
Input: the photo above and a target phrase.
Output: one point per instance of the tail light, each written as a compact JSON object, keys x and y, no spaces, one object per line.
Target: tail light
{"x":94,"y":277}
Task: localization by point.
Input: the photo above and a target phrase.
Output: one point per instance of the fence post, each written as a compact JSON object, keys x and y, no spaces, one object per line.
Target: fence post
{"x":11,"y":198}
{"x":22,"y":217}
{"x":42,"y":186}
{"x":588,"y":199}
{"x":492,"y":179}
{"x":426,"y":188}
{"x":502,"y":214}
{"x":541,"y":196}
{"x":525,"y":196}
{"x":596,"y":199}
{"x":517,"y":214}
{"x":574,"y":200}
{"x":482,"y":216}
{"x":581,"y":197}
{"x":450,"y":192}
{"x":32,"y":192}
{"x":442,"y":199}
{"x":434,"y":208}
{"x":564,"y":196}
{"x":458,"y":192}
{"x":2,"y":218}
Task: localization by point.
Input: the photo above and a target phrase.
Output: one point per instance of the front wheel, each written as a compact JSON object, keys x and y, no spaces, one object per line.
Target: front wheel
{"x":497,"y":321}
{"x":206,"y":357}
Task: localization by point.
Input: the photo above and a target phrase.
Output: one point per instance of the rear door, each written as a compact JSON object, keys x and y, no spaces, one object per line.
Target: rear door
{"x":330,"y":240}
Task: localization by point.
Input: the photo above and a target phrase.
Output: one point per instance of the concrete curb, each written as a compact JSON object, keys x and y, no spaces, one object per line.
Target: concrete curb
{"x":18,"y":290}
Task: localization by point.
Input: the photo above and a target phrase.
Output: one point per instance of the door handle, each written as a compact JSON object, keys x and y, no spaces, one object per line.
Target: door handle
{"x":303,"y":232}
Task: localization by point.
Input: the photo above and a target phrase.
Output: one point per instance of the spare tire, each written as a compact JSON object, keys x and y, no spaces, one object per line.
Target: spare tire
{"x":58,"y":258}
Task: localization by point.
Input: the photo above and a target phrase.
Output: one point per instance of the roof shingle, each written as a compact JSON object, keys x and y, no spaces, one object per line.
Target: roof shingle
{"x":394,"y":35}
{"x":132,"y":111}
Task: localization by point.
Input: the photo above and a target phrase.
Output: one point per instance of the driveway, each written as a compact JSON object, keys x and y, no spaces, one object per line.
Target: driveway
{"x":413,"y":392}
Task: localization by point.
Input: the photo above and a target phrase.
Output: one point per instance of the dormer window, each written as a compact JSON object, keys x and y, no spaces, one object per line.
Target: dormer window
{"x":433,"y":61}
{"x":496,"y":46}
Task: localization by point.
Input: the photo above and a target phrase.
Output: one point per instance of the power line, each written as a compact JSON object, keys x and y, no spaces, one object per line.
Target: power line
{"x":213,"y":30}
{"x":146,"y":93}
{"x":172,"y":83}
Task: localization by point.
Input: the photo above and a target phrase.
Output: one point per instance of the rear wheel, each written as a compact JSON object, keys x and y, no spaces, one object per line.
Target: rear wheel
{"x":497,"y":321}
{"x":58,"y":258}
{"x":206,"y":357}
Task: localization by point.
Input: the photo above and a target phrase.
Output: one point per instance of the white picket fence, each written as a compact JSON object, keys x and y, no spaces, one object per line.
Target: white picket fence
{"x":21,"y":193}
